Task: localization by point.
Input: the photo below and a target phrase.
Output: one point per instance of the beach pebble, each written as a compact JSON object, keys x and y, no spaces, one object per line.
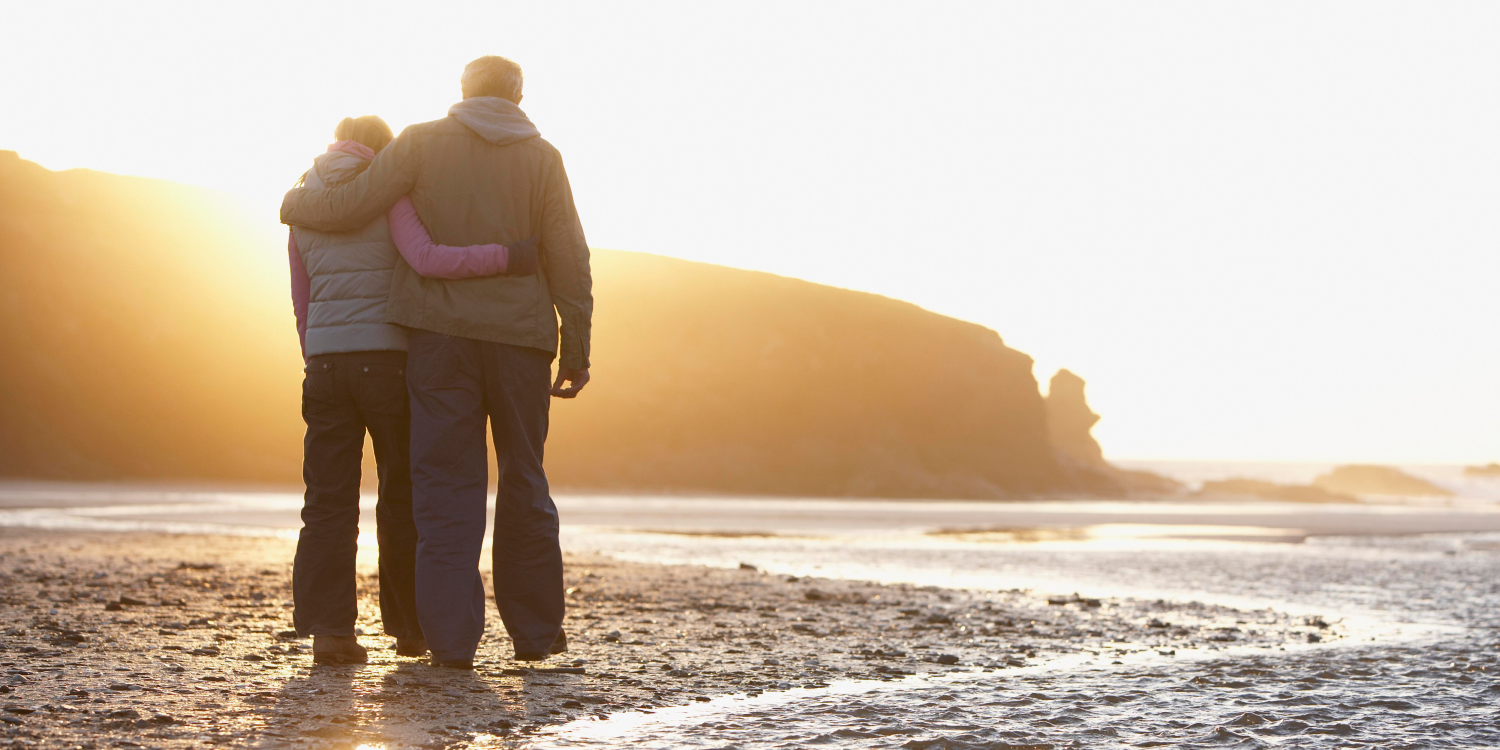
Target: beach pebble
{"x":947,"y":659}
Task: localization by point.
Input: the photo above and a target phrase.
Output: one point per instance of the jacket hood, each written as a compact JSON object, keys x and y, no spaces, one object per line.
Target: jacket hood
{"x":499,"y":121}
{"x":343,"y":162}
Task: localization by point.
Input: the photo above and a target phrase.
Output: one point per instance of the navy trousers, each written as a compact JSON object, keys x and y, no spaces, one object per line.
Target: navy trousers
{"x":456,"y":384}
{"x":343,"y":395}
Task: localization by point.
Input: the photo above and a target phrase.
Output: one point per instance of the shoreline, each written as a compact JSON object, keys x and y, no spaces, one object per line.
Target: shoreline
{"x":206,"y":510}
{"x":206,"y":658}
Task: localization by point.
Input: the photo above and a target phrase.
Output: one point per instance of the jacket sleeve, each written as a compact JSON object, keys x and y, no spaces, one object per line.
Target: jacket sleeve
{"x":357,"y":202}
{"x":564,"y":255}
{"x":301,"y":289}
{"x":441,"y":261}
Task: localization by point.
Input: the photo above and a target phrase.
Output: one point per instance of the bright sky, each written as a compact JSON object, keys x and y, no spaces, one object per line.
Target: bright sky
{"x":1260,"y":230}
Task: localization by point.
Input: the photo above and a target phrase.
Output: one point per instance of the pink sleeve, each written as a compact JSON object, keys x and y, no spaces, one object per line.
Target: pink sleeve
{"x":441,"y":261}
{"x":301,"y":290}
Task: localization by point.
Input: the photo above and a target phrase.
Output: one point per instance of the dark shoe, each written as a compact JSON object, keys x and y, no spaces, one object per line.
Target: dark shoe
{"x":338,"y":649}
{"x":454,"y":664}
{"x":411,"y":647}
{"x":559,"y":646}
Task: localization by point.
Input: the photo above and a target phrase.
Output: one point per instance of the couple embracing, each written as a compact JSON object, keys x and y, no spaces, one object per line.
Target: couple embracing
{"x":421,"y":344}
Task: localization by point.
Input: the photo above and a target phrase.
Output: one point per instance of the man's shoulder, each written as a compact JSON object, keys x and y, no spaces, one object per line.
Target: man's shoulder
{"x":449,"y":126}
{"x":542,"y":144}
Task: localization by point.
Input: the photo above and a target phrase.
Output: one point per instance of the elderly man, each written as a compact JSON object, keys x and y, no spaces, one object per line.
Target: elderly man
{"x":480,"y":348}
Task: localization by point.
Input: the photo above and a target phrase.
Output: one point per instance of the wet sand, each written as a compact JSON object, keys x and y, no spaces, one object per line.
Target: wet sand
{"x":149,"y":640}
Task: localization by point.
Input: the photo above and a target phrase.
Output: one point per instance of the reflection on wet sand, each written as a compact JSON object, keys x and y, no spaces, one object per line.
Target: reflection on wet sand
{"x":410,"y":704}
{"x":848,"y":623}
{"x":184,"y":641}
{"x":196,"y":633}
{"x":110,"y":508}
{"x":1119,"y":532}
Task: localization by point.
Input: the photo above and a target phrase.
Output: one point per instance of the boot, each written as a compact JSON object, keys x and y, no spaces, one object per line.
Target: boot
{"x":338,"y":649}
{"x":559,"y":646}
{"x":411,"y":647}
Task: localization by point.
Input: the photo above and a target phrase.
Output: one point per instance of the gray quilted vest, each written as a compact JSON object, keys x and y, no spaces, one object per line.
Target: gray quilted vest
{"x":350,"y":273}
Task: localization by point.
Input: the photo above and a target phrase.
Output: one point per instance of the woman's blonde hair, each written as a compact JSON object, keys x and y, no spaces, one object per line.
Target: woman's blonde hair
{"x":368,"y":130}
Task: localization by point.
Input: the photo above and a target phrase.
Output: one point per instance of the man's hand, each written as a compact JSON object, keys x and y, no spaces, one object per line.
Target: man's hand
{"x":578,"y":378}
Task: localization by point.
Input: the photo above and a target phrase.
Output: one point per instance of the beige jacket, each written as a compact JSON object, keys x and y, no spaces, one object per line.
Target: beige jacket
{"x":481,"y":175}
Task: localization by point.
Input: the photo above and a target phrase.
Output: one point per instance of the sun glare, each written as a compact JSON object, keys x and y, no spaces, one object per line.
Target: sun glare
{"x":1252,"y":256}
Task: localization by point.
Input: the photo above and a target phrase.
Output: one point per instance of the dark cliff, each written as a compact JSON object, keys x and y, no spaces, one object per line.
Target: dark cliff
{"x":713,"y":378}
{"x":145,"y":338}
{"x":1364,"y":479}
{"x":135,"y":340}
{"x":1070,"y":424}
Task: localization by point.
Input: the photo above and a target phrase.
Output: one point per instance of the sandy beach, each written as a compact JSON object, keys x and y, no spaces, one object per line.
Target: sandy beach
{"x":161,"y":617}
{"x":150,"y":640}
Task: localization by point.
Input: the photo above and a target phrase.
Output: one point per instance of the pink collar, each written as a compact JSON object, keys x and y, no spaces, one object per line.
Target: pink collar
{"x":353,"y":148}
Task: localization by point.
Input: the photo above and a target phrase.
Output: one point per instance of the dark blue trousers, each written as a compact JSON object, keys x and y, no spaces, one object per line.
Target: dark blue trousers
{"x":456,"y":384}
{"x":343,"y":395}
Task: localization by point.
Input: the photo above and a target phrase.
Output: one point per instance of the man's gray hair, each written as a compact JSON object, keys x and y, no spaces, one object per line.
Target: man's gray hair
{"x":493,"y":75}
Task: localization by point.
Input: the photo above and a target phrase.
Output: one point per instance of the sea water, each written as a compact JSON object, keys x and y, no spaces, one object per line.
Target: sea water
{"x":1421,"y":667}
